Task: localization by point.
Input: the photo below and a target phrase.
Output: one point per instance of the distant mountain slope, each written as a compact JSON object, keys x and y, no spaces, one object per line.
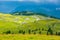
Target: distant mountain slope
{"x":16,"y":17}
{"x":27,"y":13}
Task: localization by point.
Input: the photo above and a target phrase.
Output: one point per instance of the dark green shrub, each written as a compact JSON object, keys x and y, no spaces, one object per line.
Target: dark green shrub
{"x":23,"y":32}
{"x":58,"y":33}
{"x":39,"y":32}
{"x":42,"y":29}
{"x":20,"y":31}
{"x":34,"y":32}
{"x":29,"y":31}
{"x":7,"y":32}
{"x":49,"y":31}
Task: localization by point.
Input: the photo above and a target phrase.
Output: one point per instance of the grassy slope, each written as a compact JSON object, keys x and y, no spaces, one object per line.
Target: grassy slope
{"x":28,"y":37}
{"x":15,"y":23}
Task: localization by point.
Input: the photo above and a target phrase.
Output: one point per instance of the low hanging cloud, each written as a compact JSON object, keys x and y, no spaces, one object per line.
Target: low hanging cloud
{"x":43,"y":1}
{"x":53,"y":1}
{"x":57,"y":8}
{"x":37,"y":1}
{"x":30,"y":0}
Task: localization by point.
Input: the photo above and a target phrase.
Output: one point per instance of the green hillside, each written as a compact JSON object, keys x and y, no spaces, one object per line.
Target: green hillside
{"x":33,"y":24}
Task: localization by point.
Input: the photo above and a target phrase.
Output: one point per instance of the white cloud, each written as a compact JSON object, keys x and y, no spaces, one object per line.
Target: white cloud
{"x":21,"y":0}
{"x":37,"y":1}
{"x":52,"y":1}
{"x":46,"y":9}
{"x":43,"y":1}
{"x":57,"y":8}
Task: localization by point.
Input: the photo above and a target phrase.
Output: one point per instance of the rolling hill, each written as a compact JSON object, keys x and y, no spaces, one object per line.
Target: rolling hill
{"x":35,"y":23}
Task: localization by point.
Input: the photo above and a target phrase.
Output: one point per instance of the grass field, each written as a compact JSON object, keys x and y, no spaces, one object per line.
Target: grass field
{"x":28,"y":37}
{"x":14,"y":27}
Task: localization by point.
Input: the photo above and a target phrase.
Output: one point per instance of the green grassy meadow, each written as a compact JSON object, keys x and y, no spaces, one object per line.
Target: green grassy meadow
{"x":33,"y":27}
{"x":28,"y":37}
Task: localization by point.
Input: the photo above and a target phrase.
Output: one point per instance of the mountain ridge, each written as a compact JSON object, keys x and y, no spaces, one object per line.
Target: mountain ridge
{"x":27,"y":13}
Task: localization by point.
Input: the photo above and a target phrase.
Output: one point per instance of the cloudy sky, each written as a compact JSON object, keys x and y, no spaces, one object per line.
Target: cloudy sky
{"x":37,"y":1}
{"x":44,"y":5}
{"x":4,"y":4}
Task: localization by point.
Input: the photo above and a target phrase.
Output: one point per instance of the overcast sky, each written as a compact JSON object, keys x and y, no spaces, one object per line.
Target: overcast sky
{"x":53,"y":1}
{"x":49,"y":6}
{"x":8,"y":6}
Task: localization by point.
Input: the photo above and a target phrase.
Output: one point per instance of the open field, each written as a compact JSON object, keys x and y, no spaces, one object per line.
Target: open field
{"x":34,"y":24}
{"x":14,"y":27}
{"x":28,"y":37}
